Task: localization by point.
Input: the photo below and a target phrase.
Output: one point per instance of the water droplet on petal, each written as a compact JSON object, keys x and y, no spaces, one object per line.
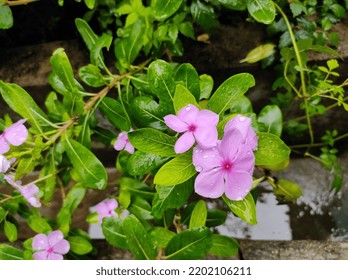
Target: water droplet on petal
{"x":205,"y":156}
{"x":239,"y":198}
{"x":199,"y":168}
{"x":188,"y":108}
{"x":216,"y":169}
{"x":242,"y":119}
{"x":212,"y":156}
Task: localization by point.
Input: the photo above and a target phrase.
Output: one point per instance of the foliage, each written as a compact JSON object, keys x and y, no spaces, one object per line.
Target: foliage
{"x":140,"y":105}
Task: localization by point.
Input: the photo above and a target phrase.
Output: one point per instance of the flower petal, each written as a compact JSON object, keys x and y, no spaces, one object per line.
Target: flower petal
{"x":4,"y":146}
{"x":174,"y":123}
{"x":210,"y":184}
{"x":238,"y":184}
{"x":62,"y":247}
{"x":54,"y":257}
{"x":40,"y":242}
{"x":17,"y":133}
{"x":206,"y":136}
{"x":245,"y":160}
{"x":29,"y":190}
{"x":129,"y":148}
{"x":119,"y":144}
{"x":54,"y":237}
{"x":206,"y":159}
{"x":111,"y":204}
{"x":101,"y":208}
{"x":207,"y":118}
{"x":5,"y":164}
{"x":40,"y":255}
{"x":188,"y":114}
{"x":184,"y":143}
{"x":230,"y":144}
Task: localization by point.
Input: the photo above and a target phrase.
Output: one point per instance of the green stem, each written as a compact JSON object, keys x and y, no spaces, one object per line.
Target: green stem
{"x":18,"y":2}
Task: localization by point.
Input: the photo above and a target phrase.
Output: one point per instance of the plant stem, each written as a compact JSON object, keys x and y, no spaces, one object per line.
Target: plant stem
{"x":18,"y":2}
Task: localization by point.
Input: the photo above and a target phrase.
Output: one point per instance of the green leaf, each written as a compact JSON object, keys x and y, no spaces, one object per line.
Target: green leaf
{"x":271,"y":150}
{"x":49,"y":184}
{"x":176,"y":171}
{"x":114,"y":233}
{"x":91,"y":75}
{"x":128,"y":47}
{"x":161,"y":82}
{"x":241,"y":105}
{"x":145,"y":112}
{"x":186,"y":28}
{"x":161,"y":236}
{"x":244,"y":209}
{"x":224,"y":246}
{"x":141,"y":163}
{"x":170,"y":197}
{"x":191,"y":244}
{"x":164,"y":9}
{"x":136,"y":188}
{"x":10,"y":231}
{"x":198,"y":215}
{"x":183,"y":97}
{"x":238,"y":5}
{"x":141,"y":208}
{"x":6,"y":18}
{"x":152,"y":141}
{"x":206,"y":86}
{"x":286,"y":190}
{"x":90,"y":4}
{"x":104,"y":41}
{"x":38,"y":224}
{"x":262,"y":10}
{"x":79,"y":245}
{"x":2,"y":214}
{"x":187,"y":75}
{"x":23,"y":104}
{"x":270,"y":120}
{"x":215,"y":217}
{"x":26,"y":165}
{"x":90,"y":170}
{"x":8,"y":252}
{"x":230,"y":90}
{"x":204,"y":15}
{"x":332,"y":64}
{"x":138,"y":239}
{"x":115,"y":113}
{"x":259,"y":53}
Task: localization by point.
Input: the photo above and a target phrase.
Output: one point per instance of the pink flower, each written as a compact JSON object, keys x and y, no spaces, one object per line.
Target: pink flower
{"x":50,"y":247}
{"x":106,"y":209}
{"x":226,"y":168}
{"x":122,"y":143}
{"x":197,"y":125}
{"x":15,"y":135}
{"x":5,"y":164}
{"x":30,"y":192}
{"x":243,"y":124}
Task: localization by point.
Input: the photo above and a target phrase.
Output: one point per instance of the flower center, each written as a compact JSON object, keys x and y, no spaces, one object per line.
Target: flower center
{"x":227,"y":166}
{"x":192,"y":127}
{"x":49,"y":250}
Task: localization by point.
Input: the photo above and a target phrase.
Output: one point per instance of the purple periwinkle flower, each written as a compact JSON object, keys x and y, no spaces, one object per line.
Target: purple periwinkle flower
{"x":243,"y":124}
{"x":106,"y":209}
{"x":224,"y":169}
{"x":122,"y":143}
{"x":197,"y":125}
{"x":30,"y":192}
{"x":50,"y":247}
{"x":5,"y":164}
{"x":15,"y":135}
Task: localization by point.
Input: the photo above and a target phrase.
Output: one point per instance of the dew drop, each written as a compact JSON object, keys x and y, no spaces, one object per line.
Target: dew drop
{"x":239,"y":198}
{"x":188,"y":108}
{"x":205,"y":156}
{"x":216,"y":169}
{"x":212,"y":156}
{"x":199,"y":168}
{"x":242,"y":119}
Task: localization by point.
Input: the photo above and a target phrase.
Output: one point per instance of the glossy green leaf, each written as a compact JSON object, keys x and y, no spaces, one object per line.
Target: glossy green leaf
{"x":176,"y":171}
{"x":136,"y":188}
{"x":48,"y":186}
{"x":286,"y":190}
{"x":8,"y":252}
{"x":161,"y":81}
{"x":271,"y":150}
{"x":262,"y":10}
{"x":183,"y":97}
{"x":38,"y":224}
{"x":215,"y":217}
{"x":170,"y":197}
{"x":114,"y":233}
{"x":191,"y":244}
{"x":79,"y":245}
{"x":186,"y":28}
{"x":2,"y":214}
{"x":90,"y":4}
{"x":271,"y":120}
{"x":91,"y":75}
{"x":54,"y":106}
{"x":141,"y":208}
{"x":161,"y":236}
{"x":241,"y":105}
{"x":230,"y":90}
{"x":206,"y":86}
{"x":164,"y":9}
{"x":204,"y":15}
{"x":128,"y":47}
{"x":23,"y":104}
{"x":238,"y":5}
{"x":141,"y":163}
{"x":198,"y":215}
{"x":87,"y":166}
{"x":6,"y":18}
{"x":259,"y":53}
{"x":145,"y":112}
{"x":10,"y":231}
{"x":153,"y":141}
{"x":138,"y":239}
{"x":187,"y":75}
{"x":115,"y":113}
{"x":26,"y":165}
{"x":224,"y":246}
{"x":104,"y":41}
{"x":73,"y":198}
{"x":244,"y":209}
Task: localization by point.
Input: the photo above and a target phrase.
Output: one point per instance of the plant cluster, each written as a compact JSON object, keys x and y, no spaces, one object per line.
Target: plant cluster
{"x":182,"y":143}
